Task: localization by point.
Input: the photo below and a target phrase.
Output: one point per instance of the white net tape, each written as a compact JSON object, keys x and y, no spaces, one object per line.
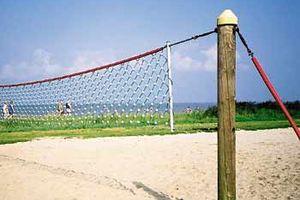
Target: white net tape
{"x":131,"y":93}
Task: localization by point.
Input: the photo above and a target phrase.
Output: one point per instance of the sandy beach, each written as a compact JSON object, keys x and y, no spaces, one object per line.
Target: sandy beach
{"x":149,"y":167}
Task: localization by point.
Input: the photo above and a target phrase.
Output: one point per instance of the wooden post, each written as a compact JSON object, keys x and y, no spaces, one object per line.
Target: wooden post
{"x":227,"y":22}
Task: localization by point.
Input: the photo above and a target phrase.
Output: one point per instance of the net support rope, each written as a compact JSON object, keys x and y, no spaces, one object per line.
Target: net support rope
{"x":131,"y":92}
{"x":269,"y":84}
{"x":194,"y":37}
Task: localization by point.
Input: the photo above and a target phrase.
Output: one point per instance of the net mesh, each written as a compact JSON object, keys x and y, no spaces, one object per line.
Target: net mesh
{"x":130,"y":93}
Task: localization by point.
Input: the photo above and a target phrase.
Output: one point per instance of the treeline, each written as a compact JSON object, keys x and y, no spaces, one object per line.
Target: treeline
{"x":259,"y":110}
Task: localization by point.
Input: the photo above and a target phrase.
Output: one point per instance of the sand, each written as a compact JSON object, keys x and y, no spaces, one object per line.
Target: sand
{"x":149,"y":167}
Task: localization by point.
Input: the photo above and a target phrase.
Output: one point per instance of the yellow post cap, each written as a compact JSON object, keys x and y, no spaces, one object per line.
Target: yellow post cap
{"x":227,"y":17}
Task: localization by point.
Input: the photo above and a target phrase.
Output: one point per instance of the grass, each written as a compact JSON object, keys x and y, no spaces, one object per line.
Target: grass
{"x":18,"y":136}
{"x":250,"y":117}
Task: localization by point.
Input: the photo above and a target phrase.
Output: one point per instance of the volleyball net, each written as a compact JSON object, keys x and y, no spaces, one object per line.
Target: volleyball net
{"x":132,"y":91}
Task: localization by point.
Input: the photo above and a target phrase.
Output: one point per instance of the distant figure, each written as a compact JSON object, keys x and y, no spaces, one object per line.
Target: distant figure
{"x":60,"y":108}
{"x":68,"y":108}
{"x":5,"y":110}
{"x":11,"y":109}
{"x":188,"y":110}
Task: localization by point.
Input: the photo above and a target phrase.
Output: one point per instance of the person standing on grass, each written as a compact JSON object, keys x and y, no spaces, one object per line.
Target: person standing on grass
{"x":11,"y":109}
{"x":5,"y":110}
{"x":188,"y":110}
{"x":68,"y":108}
{"x":60,"y":108}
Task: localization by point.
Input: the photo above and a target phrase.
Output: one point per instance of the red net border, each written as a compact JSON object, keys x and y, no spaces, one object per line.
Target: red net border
{"x":87,"y":71}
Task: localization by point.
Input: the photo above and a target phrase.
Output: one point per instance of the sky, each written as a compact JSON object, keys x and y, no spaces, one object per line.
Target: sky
{"x":43,"y":39}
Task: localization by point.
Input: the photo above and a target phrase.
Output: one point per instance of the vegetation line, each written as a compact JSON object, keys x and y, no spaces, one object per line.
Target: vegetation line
{"x":249,"y":116}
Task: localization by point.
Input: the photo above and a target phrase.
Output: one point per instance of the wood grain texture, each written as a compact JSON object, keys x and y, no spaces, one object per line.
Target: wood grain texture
{"x":226,"y":112}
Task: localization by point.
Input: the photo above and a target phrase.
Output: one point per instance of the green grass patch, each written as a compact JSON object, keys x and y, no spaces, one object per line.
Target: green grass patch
{"x":12,"y":137}
{"x":249,"y":116}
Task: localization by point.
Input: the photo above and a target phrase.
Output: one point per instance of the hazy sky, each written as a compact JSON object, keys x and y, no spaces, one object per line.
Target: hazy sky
{"x":41,"y":39}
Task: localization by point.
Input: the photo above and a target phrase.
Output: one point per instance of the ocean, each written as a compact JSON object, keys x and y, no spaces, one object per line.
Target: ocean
{"x":98,"y":109}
